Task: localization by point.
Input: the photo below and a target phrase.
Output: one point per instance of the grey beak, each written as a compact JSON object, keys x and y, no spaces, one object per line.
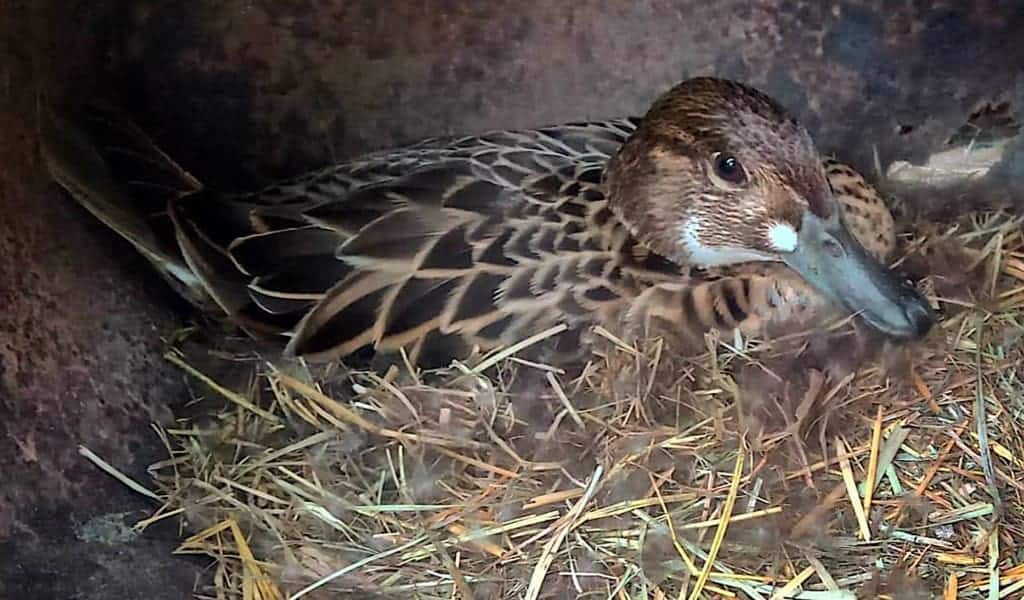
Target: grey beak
{"x":831,"y":260}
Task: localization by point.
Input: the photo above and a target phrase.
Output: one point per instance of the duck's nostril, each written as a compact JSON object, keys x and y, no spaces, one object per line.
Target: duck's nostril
{"x":833,"y":248}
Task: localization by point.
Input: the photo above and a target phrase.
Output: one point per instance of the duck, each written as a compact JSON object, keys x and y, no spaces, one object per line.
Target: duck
{"x":713,"y":211}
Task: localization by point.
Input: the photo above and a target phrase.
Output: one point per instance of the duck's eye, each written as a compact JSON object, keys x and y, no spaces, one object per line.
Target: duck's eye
{"x":729,"y":169}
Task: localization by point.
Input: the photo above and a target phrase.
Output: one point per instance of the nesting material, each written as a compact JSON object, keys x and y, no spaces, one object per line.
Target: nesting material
{"x":826,"y":465}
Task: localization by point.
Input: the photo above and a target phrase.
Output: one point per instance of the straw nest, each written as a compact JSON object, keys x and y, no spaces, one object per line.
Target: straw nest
{"x":822,"y":465}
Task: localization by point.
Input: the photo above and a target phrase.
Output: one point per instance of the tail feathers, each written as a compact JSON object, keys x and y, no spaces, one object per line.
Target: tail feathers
{"x":112,"y":168}
{"x":119,"y":175}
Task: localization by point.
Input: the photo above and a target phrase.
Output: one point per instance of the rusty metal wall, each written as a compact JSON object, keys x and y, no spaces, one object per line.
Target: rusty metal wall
{"x":243,"y":91}
{"x":285,"y":88}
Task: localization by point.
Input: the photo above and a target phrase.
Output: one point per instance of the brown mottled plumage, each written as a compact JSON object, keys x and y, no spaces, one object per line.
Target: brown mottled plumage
{"x":480,"y":241}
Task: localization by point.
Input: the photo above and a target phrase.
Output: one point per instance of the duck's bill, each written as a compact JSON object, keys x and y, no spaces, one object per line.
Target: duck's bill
{"x":831,"y":260}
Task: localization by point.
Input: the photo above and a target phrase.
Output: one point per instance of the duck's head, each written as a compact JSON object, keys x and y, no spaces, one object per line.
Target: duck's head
{"x":718,"y":173}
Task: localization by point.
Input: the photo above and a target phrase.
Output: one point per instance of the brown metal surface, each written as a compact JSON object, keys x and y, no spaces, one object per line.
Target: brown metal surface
{"x":268,"y":89}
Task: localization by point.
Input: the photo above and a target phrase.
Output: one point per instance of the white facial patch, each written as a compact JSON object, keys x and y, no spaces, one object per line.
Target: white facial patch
{"x":782,"y":237}
{"x":703,"y":255}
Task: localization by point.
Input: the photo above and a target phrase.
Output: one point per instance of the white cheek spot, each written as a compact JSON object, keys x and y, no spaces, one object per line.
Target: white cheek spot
{"x":782,"y":237}
{"x":714,"y":256}
{"x":691,"y":236}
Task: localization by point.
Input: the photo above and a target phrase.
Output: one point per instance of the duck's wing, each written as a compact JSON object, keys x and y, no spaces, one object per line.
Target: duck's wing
{"x":451,"y":252}
{"x":460,"y":243}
